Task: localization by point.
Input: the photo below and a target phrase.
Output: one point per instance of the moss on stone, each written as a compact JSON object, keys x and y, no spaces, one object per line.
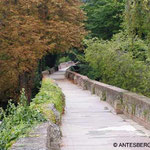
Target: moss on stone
{"x":50,"y":93}
{"x":48,"y":113}
{"x":145,"y":113}
{"x":133,"y":109}
{"x":103,"y":96}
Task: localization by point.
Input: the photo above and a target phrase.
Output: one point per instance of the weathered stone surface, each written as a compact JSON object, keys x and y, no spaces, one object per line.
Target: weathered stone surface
{"x":133,"y":105}
{"x":88,"y":123}
{"x":35,"y":141}
{"x":45,"y":73}
{"x":50,"y":71}
{"x":66,"y":64}
{"x":45,"y":136}
{"x":53,"y":137}
{"x":56,"y":113}
{"x":100,"y":90}
{"x":111,"y":94}
{"x":137,"y":107}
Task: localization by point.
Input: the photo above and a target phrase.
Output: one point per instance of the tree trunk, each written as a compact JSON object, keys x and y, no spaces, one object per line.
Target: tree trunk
{"x":26,"y":82}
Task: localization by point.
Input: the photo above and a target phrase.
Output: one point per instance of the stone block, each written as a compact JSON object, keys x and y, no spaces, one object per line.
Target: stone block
{"x":53,"y":137}
{"x":137,"y":107}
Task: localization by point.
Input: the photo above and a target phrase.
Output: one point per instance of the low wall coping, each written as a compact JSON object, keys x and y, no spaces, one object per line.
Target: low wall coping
{"x":133,"y":105}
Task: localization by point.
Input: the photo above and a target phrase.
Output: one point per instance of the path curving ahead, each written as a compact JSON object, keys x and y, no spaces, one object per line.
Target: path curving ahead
{"x":90,"y":124}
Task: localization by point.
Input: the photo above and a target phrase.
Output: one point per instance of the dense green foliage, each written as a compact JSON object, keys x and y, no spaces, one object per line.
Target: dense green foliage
{"x":121,"y":59}
{"x":18,"y":120}
{"x":112,"y":65}
{"x":104,"y":17}
{"x":49,"y":93}
{"x":63,"y":59}
{"x":137,"y":18}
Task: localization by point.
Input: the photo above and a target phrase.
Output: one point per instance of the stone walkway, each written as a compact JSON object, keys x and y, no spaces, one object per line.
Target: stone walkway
{"x":90,"y":124}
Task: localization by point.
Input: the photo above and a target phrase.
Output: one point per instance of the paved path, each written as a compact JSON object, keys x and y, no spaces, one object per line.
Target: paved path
{"x":89,"y":124}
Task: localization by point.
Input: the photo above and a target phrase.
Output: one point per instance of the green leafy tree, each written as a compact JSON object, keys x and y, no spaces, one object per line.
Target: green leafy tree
{"x":104,"y":17}
{"x":116,"y":66}
{"x":137,"y":18}
{"x":136,"y":23}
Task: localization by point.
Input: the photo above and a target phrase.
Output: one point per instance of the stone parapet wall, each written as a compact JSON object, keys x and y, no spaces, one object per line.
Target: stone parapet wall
{"x":50,"y":71}
{"x":134,"y":106}
{"x":47,"y":135}
{"x":66,"y":64}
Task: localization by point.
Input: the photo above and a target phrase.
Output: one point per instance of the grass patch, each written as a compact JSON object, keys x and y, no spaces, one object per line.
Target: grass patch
{"x":50,"y":93}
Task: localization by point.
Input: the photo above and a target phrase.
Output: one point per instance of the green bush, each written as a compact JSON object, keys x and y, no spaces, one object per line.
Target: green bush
{"x":104,"y":17}
{"x":49,"y":93}
{"x":114,"y":63}
{"x":18,"y":120}
{"x":63,"y":59}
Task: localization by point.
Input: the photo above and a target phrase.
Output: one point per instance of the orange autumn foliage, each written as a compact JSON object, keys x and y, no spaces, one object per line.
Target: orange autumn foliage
{"x":28,"y":30}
